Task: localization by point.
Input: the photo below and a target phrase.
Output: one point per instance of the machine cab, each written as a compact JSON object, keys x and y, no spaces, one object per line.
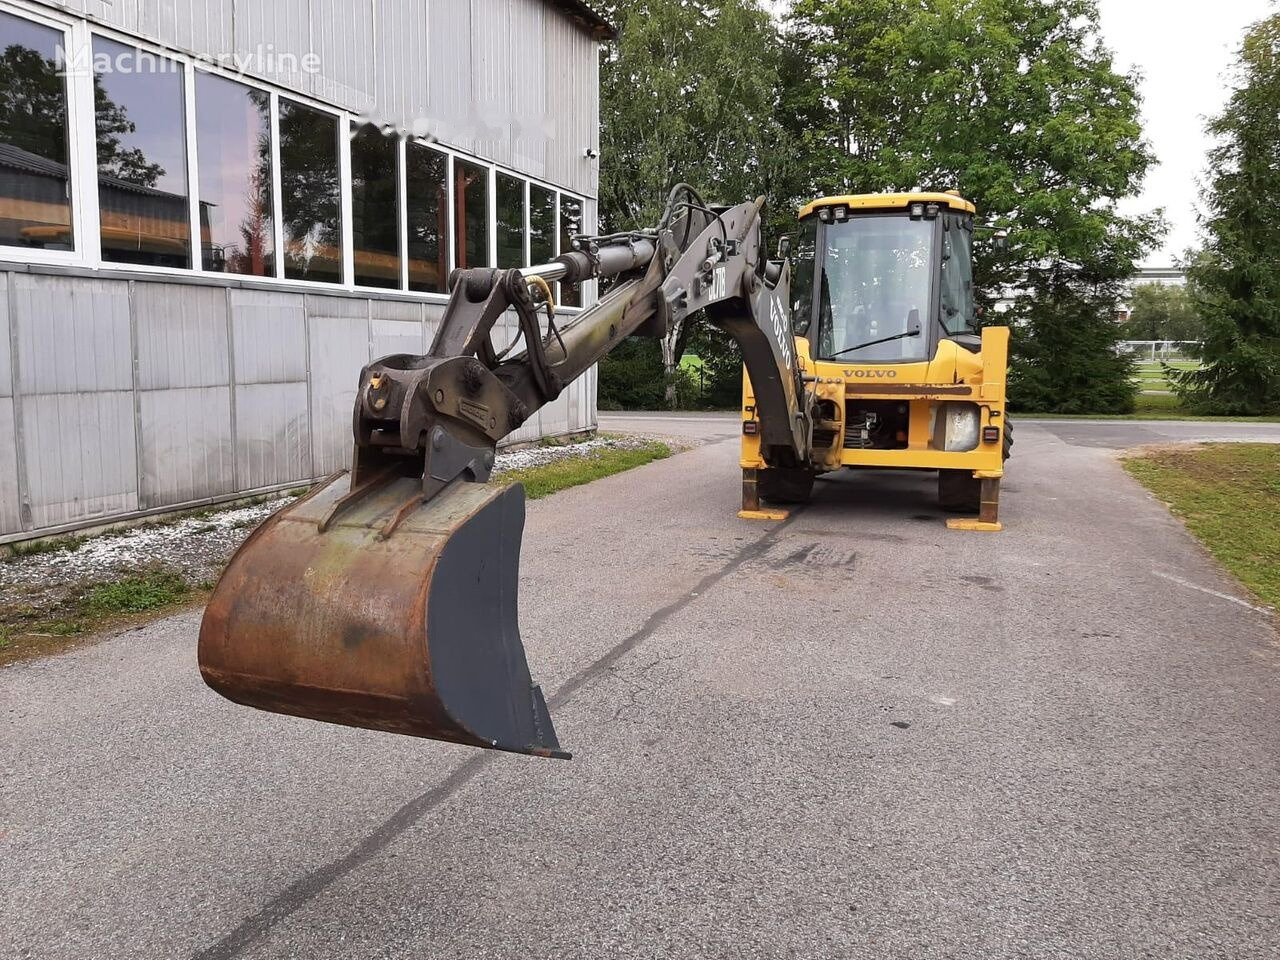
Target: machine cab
{"x":883,"y":278}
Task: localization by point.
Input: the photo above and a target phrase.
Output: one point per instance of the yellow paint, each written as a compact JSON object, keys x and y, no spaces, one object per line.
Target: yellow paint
{"x":887,"y":201}
{"x":765,"y":513}
{"x":973,"y":525}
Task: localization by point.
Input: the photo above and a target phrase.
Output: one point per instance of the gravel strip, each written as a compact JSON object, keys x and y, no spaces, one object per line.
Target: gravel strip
{"x":198,"y":547}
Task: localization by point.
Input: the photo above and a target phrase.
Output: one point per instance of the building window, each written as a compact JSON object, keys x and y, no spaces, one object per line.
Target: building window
{"x":427,"y":193}
{"x":142,"y":156}
{"x":542,"y":224}
{"x":570,"y":227}
{"x":375,"y":218}
{"x":471,"y":214}
{"x":233,"y":152}
{"x":310,"y":194}
{"x":510,"y":221}
{"x":35,"y":191}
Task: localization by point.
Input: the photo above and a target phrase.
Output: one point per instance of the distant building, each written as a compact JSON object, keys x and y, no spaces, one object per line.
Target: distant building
{"x":1164,"y":276}
{"x":213,"y":213}
{"x":1160,"y":276}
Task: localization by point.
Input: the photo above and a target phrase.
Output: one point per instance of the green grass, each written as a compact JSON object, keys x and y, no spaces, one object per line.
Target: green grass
{"x":31,"y":628}
{"x":549,"y":478}
{"x":1228,"y":495}
{"x":1149,"y":407}
{"x":1152,"y":376}
{"x":136,"y":594}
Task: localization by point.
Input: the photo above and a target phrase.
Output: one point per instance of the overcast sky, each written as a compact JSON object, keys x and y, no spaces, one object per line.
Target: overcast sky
{"x":1182,"y":49}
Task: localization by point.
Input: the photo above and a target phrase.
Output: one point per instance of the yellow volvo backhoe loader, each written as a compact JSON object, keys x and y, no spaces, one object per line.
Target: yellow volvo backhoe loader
{"x":898,"y":375}
{"x":386,"y":598}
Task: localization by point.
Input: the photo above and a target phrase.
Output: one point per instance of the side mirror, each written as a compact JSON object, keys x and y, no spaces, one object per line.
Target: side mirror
{"x":784,"y":246}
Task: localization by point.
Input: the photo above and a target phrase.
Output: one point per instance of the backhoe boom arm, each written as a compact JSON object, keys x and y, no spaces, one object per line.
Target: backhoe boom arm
{"x":441,"y":415}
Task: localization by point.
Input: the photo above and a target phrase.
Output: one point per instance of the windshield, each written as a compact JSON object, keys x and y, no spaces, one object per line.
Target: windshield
{"x":875,"y":286}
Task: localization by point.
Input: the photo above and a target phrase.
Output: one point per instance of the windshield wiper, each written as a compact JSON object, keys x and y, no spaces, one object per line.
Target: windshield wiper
{"x":873,"y":343}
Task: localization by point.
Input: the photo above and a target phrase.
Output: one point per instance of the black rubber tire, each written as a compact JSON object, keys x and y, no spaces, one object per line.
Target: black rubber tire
{"x":785,"y":485}
{"x":1008,"y":437}
{"x":959,"y":491}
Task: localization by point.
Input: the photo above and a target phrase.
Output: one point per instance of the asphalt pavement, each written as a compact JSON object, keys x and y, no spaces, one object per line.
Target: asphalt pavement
{"x":851,"y":734}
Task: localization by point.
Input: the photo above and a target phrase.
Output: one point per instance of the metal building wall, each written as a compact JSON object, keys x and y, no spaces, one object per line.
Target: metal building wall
{"x":126,"y":396}
{"x":512,"y":81}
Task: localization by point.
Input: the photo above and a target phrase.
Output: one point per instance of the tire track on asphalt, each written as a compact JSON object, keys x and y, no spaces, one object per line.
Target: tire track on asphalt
{"x":313,"y":883}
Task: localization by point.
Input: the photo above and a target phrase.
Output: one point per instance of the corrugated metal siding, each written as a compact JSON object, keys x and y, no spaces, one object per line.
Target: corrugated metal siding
{"x":75,"y":384}
{"x":513,"y":81}
{"x":401,"y":79}
{"x":186,"y":444}
{"x":338,"y":331}
{"x":343,"y":35}
{"x":526,"y":62}
{"x":80,"y":457}
{"x":282,"y":25}
{"x":572,"y":94}
{"x":6,"y":356}
{"x":10,"y":517}
{"x":396,"y":327}
{"x":138,"y":395}
{"x":450,"y":103}
{"x":187,"y":451}
{"x":272,"y":419}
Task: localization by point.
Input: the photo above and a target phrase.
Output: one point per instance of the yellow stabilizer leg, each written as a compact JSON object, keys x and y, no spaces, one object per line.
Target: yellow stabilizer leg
{"x":752,"y":509}
{"x":987,"y":520}
{"x":765,"y":513}
{"x":972,"y":523}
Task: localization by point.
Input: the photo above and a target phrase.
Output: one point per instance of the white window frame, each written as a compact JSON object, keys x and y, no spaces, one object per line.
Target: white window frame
{"x":528,"y":262}
{"x":273,"y":130}
{"x":90,"y":173}
{"x":451,"y":240}
{"x":81,"y":206}
{"x":193,"y":168}
{"x":404,"y":213}
{"x":402,"y":209}
{"x":342,"y":122}
{"x":277,"y":198}
{"x":492,"y":232}
{"x":346,"y":203}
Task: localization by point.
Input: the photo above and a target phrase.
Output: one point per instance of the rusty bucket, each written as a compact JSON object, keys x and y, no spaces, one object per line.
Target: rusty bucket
{"x":373,"y":609}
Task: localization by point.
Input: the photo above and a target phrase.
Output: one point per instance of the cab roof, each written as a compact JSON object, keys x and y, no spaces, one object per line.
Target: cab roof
{"x":888,"y":201}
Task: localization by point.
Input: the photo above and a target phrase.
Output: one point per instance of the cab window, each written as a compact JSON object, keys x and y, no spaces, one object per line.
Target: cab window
{"x":957,"y":276}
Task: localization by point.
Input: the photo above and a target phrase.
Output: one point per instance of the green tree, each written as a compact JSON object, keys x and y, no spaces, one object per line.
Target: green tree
{"x":1016,"y":103}
{"x":1236,"y":281}
{"x":1059,"y":367}
{"x":687,"y":93}
{"x":1162,"y":312}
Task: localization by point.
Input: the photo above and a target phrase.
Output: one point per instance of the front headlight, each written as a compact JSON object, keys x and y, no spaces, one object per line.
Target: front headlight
{"x":957,"y":427}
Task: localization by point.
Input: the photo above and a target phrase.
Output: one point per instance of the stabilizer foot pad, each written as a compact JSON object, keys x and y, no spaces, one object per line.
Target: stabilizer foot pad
{"x":964,"y":523}
{"x":764,"y":514}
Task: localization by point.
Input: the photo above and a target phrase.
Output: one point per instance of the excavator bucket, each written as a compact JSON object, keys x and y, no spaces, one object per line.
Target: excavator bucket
{"x":373,"y":609}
